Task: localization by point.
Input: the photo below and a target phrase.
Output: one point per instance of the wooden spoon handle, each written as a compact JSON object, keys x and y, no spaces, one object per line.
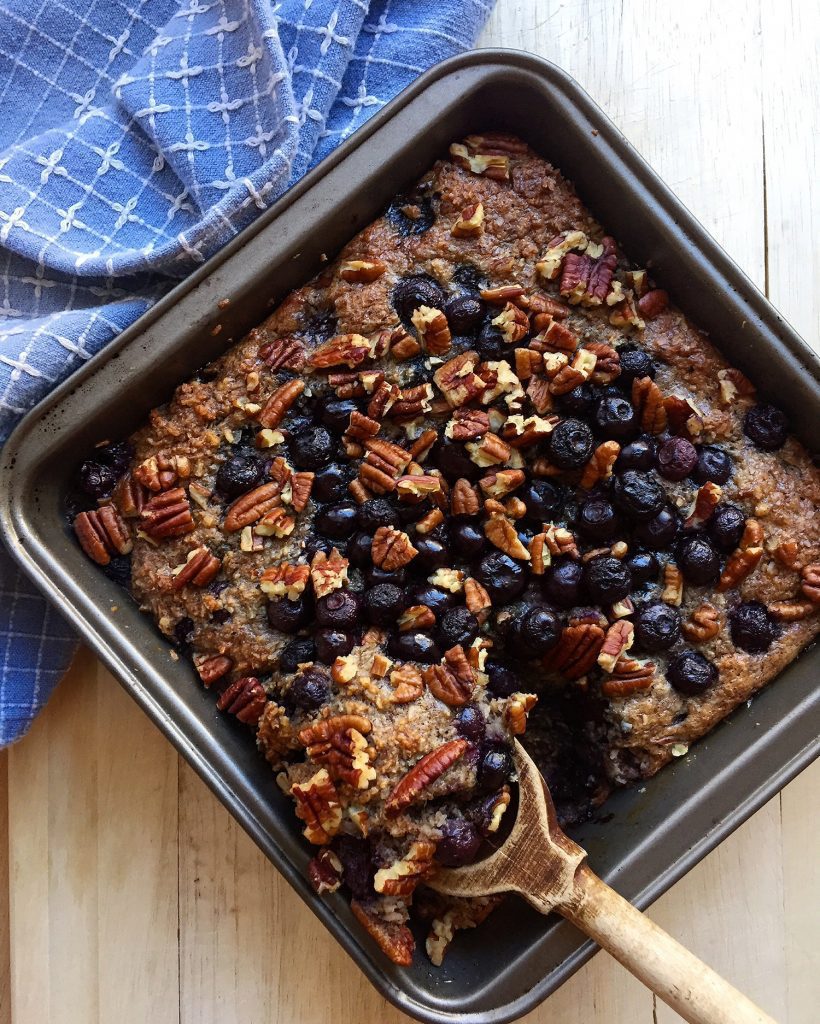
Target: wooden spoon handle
{"x":674,"y":974}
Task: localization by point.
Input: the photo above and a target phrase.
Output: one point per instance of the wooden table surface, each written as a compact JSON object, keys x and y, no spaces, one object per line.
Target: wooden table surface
{"x":127,"y":893}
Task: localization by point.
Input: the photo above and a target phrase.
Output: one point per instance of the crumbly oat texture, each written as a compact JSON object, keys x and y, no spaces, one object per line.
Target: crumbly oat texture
{"x":479,"y":461}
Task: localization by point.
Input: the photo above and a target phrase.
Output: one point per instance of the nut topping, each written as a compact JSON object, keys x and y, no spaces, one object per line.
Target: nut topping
{"x":285,"y":580}
{"x":453,"y":680}
{"x":457,"y":380}
{"x":407,"y":684}
{"x":328,"y":572}
{"x":361,"y":270}
{"x":162,"y":471}
{"x":706,"y":502}
{"x":317,"y":804}
{"x":276,"y":407}
{"x":500,"y":531}
{"x":434,"y":331}
{"x":490,"y":450}
{"x":586,"y":277}
{"x":102,"y":533}
{"x":470,"y":222}
{"x":340,"y":744}
{"x":619,"y":638}
{"x":515,"y":714}
{"x":251,"y":507}
{"x":167,"y":515}
{"x":276,"y":523}
{"x":810,"y":586}
{"x":577,"y":650}
{"x":648,"y":401}
{"x":628,"y":676}
{"x":275,"y":735}
{"x":703,"y":624}
{"x":424,"y":772}
{"x":550,"y":266}
{"x":513,"y":323}
{"x":464,"y":499}
{"x":393,"y":938}
{"x":792,"y":611}
{"x":199,"y":569}
{"x":391,"y":548}
{"x":600,"y":464}
{"x":477,"y":599}
{"x":344,"y":350}
{"x":417,"y":616}
{"x":283,"y":354}
{"x":467,"y":425}
{"x":653,"y":303}
{"x":245,"y":699}
{"x":212,"y":668}
{"x":325,"y":871}
{"x":672,"y":592}
{"x":402,"y":876}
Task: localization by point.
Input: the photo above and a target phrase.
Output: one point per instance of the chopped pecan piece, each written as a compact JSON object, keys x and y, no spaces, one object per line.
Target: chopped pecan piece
{"x":504,"y":482}
{"x":168,"y":514}
{"x":538,"y":392}
{"x":703,"y":624}
{"x":608,"y":362}
{"x":672,"y":592}
{"x":428,"y":523}
{"x":102,"y":533}
{"x":586,"y":277}
{"x":706,"y":502}
{"x":285,"y":580}
{"x":283,"y":353}
{"x":420,"y":448}
{"x":490,"y":165}
{"x":212,"y":668}
{"x":457,"y":380}
{"x":560,"y":541}
{"x":328,"y":572}
{"x":470,"y":222}
{"x":787,"y":552}
{"x":577,"y":650}
{"x":489,"y":450}
{"x":387,"y":457}
{"x":499,"y":530}
{"x":792,"y":611}
{"x":199,"y":569}
{"x":513,"y":323}
{"x":544,"y":309}
{"x":467,"y":425}
{"x":276,"y":523}
{"x":245,"y":699}
{"x":503,"y":294}
{"x":619,"y":638}
{"x":384,"y":398}
{"x":407,"y":684}
{"x":648,"y":401}
{"x":340,"y":744}
{"x":343,"y":350}
{"x":540,"y":556}
{"x":252,"y":506}
{"x":464,"y":499}
{"x":403,"y":875}
{"x":393,"y":938}
{"x":625,"y":313}
{"x":317,"y":804}
{"x":425,"y":771}
{"x":578,"y":371}
{"x":553,"y":337}
{"x":325,"y":871}
{"x":361,"y":271}
{"x":521,"y":432}
{"x":414,"y":489}
{"x":653,"y":303}
{"x":404,"y":346}
{"x":550,"y":266}
{"x":516,"y":711}
{"x":453,"y":680}
{"x":129,"y":496}
{"x":275,"y":735}
{"x":477,"y":599}
{"x":301,"y":484}
{"x":276,"y":407}
{"x":745,"y":559}
{"x":733,"y":384}
{"x":391,"y":548}
{"x":600,"y":465}
{"x":628,"y":676}
{"x":810,"y":585}
{"x":433,"y":329}
{"x":682,"y":417}
{"x":412,"y":402}
{"x":527,"y":362}
{"x":161,"y":471}
{"x":417,"y":616}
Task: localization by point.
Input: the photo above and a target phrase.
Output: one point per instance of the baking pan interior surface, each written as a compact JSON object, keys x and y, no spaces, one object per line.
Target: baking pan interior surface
{"x":649,"y":835}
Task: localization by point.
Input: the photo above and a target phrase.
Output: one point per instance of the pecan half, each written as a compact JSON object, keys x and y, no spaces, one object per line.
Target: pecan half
{"x":404,"y":346}
{"x":516,"y":711}
{"x":489,"y":450}
{"x":619,"y":638}
{"x":577,"y":651}
{"x":325,"y":871}
{"x":792,"y":611}
{"x":212,"y":668}
{"x":168,"y":514}
{"x":600,"y":465}
{"x":745,"y":559}
{"x":513,"y":323}
{"x":586,"y":277}
{"x":361,"y":271}
{"x":500,"y":484}
{"x":285,"y":580}
{"x":521,"y":432}
{"x":386,"y":457}
{"x":301,"y":484}
{"x":628,"y":676}
{"x":425,"y":771}
{"x":810,"y":586}
{"x":317,"y":805}
{"x":648,"y":401}
{"x":706,"y":502}
{"x":413,"y":489}
{"x":250,"y":507}
{"x":554,"y":337}
{"x":404,"y":875}
{"x":276,"y":407}
{"x":477,"y":599}
{"x":467,"y":425}
{"x":407,"y":684}
{"x":391,"y":548}
{"x":199,"y":569}
{"x":470,"y":222}
{"x":538,"y":392}
{"x":385,"y":395}
{"x":275,"y":735}
{"x":703,"y":624}
{"x":328,"y":572}
{"x":433,"y":329}
{"x":499,"y":530}
{"x":245,"y":699}
{"x":428,"y":523}
{"x":453,"y":680}
{"x":129,"y":496}
{"x":393,"y":938}
{"x":283,"y":354}
{"x":653,"y":303}
{"x":102,"y":533}
{"x":608,"y":362}
{"x":340,"y":744}
{"x":682,"y":417}
{"x":343,"y":350}
{"x":161,"y":471}
{"x":464,"y":499}
{"x":527,"y":362}
{"x":560,"y":541}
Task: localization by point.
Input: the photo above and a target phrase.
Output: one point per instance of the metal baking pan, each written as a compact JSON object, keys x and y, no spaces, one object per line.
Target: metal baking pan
{"x":653,"y":834}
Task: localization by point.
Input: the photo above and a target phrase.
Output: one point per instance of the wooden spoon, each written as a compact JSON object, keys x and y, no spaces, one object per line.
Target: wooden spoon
{"x":538,"y":861}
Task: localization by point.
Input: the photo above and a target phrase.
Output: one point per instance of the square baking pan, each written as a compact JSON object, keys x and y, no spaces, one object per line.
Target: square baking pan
{"x":653,"y":834}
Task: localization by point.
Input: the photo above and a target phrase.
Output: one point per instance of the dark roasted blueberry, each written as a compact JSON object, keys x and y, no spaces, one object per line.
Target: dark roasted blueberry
{"x":376,"y":512}
{"x":411,"y":214}
{"x":469,"y":722}
{"x":580,"y":401}
{"x":713,"y":464}
{"x":432,"y":554}
{"x":753,"y":628}
{"x":468,"y":539}
{"x":221,"y":616}
{"x":383,"y":604}
{"x":287,"y":616}
{"x":238,"y":474}
{"x":503,"y":578}
{"x":644,"y":567}
{"x":335,"y":414}
{"x":457,"y":626}
{"x":538,"y":630}
{"x":570,"y":444}
{"x":543,"y":499}
{"x":437,"y":600}
{"x":341,"y":609}
{"x":638,"y":454}
{"x":503,"y":682}
{"x":359,"y":549}
{"x":677,"y":457}
{"x":490,"y":344}
{"x":459,"y":844}
{"x":419,"y":647}
{"x":638,"y":494}
{"x":312,"y":448}
{"x":357,"y":864}
{"x":310,"y":689}
{"x":332,"y":644}
{"x":598,"y":519}
{"x":615,"y":418}
{"x":563,"y":583}
{"x":330,"y":482}
{"x":726,"y":527}
{"x":96,"y":479}
{"x":634,"y":363}
{"x":464,"y":314}
{"x":657,"y":627}
{"x":607,"y":579}
{"x":468,"y":277}
{"x":660,"y":531}
{"x":184,"y":631}
{"x":454,"y":461}
{"x":297,"y":424}
{"x":314,"y":544}
{"x":337,"y":521}
{"x":415,"y":291}
{"x":496,"y":768}
{"x":698,"y":560}
{"x":373,"y":576}
{"x":766,"y":426}
{"x":295,"y":653}
{"x":323,"y":325}
{"x":690,"y":673}
{"x":117,"y":455}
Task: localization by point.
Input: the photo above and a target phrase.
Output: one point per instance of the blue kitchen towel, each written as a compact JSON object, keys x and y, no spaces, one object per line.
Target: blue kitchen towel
{"x":136,"y":139}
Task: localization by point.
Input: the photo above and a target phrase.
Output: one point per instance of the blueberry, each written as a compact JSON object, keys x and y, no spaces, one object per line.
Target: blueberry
{"x":330,"y":482}
{"x":412,"y":292}
{"x":96,"y":479}
{"x":383,"y":604}
{"x":469,"y":722}
{"x":677,"y":457}
{"x":454,"y":462}
{"x":607,"y":579}
{"x":713,"y":464}
{"x":638,"y":494}
{"x":570,"y":444}
{"x":503,"y":578}
{"x":459,"y":844}
{"x":635,"y":363}
{"x":468,"y":277}
{"x":310,"y":689}
{"x":753,"y":628}
{"x":287,"y":616}
{"x":698,"y":560}
{"x":437,"y":600}
{"x":580,"y":400}
{"x":376,"y":512}
{"x":432,"y":554}
{"x":690,"y":673}
{"x":468,"y":539}
{"x":359,"y":550}
{"x":340,"y":609}
{"x":184,"y":631}
{"x":490,"y":344}
{"x":332,"y":644}
{"x":657,"y":627}
{"x":726,"y":527}
{"x":312,"y":448}
{"x":563,"y":583}
{"x":644,"y":567}
{"x":337,"y":521}
{"x":598,"y":519}
{"x":766,"y":426}
{"x":503,"y":682}
{"x":411,"y":215}
{"x":638,"y":454}
{"x":117,"y":455}
{"x":464,"y":314}
{"x":660,"y":531}
{"x":357,"y":865}
{"x":457,"y":626}
{"x":373,"y":576}
{"x":543,"y":499}
{"x":238,"y":474}
{"x":496,"y":768}
{"x":615,"y":419}
{"x":335,"y":414}
{"x":295,"y":653}
{"x":538,"y":630}
{"x":414,"y":647}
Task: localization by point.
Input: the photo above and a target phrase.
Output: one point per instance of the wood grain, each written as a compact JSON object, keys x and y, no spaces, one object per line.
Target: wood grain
{"x":134,"y":897}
